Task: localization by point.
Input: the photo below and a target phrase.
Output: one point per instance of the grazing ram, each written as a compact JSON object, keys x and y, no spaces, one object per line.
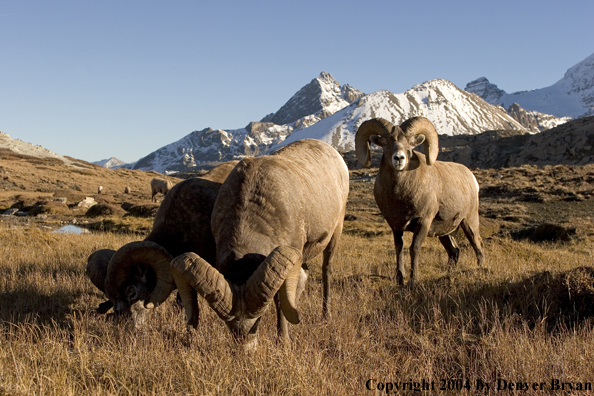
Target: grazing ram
{"x":160,"y":186}
{"x":273,"y":213}
{"x":417,"y":193}
{"x":139,"y":274}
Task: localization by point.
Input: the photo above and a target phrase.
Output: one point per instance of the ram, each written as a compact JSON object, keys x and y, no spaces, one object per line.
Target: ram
{"x":273,"y":213}
{"x":160,"y":186}
{"x":138,"y":275}
{"x":417,"y":193}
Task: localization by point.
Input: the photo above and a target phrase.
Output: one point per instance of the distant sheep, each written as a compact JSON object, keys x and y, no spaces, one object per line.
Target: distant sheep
{"x":417,"y":193}
{"x":99,"y":189}
{"x":126,"y":190}
{"x":160,"y":186}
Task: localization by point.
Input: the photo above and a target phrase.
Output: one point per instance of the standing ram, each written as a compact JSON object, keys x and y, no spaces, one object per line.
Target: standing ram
{"x":417,"y":193}
{"x":139,"y":273}
{"x":273,"y":213}
{"x":160,"y":186}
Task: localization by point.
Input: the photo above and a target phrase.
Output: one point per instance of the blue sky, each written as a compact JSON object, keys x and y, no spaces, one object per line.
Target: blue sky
{"x":95,"y":79}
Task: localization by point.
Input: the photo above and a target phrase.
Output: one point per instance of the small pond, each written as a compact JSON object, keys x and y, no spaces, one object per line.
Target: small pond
{"x":71,"y":229}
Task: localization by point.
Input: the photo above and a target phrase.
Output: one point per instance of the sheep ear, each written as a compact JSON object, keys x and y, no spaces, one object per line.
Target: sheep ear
{"x":416,"y":140}
{"x":140,"y":272}
{"x":377,"y":140}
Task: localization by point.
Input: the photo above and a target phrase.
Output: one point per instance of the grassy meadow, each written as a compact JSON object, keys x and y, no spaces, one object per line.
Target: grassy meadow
{"x":523,"y":321}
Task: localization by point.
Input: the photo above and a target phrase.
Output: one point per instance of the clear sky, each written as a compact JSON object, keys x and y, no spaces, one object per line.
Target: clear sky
{"x":96,"y":79}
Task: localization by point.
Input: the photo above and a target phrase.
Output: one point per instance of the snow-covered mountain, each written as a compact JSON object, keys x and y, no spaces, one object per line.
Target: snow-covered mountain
{"x":112,"y":162}
{"x":322,"y":97}
{"x":452,"y":110}
{"x":210,"y":145}
{"x":571,"y":96}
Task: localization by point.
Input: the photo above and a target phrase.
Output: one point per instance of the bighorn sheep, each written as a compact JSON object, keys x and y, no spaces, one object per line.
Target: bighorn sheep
{"x":160,"y":186}
{"x":273,"y":213}
{"x":417,"y":193}
{"x":140,"y":271}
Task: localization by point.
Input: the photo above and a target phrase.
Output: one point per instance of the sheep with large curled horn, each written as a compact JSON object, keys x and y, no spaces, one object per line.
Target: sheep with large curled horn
{"x":137,"y":277}
{"x":417,"y":193}
{"x":273,"y":213}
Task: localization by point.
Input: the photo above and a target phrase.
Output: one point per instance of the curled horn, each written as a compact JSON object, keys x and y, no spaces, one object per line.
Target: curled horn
{"x":97,"y":264}
{"x":189,"y":268}
{"x":127,"y":257}
{"x":97,"y":267}
{"x":251,"y":298}
{"x":375,"y":126}
{"x":280,"y":270}
{"x":422,"y":126}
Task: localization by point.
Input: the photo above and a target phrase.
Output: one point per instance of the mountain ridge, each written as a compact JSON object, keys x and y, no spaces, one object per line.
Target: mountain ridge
{"x":110,"y":163}
{"x":452,"y":110}
{"x":571,"y":96}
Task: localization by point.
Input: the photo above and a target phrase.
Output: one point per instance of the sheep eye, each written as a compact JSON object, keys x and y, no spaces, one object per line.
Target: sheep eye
{"x":132,"y":294}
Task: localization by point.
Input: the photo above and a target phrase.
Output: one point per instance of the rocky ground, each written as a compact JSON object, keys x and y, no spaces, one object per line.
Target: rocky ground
{"x":52,"y":191}
{"x":558,"y":201}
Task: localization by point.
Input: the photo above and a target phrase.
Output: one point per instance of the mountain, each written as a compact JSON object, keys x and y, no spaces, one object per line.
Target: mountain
{"x":571,"y":144}
{"x":320,"y":98}
{"x":210,"y":145}
{"x":110,"y":163}
{"x":453,"y":112}
{"x":19,"y":147}
{"x":535,"y":121}
{"x":532,"y":120}
{"x":571,"y":96}
{"x":489,"y":92}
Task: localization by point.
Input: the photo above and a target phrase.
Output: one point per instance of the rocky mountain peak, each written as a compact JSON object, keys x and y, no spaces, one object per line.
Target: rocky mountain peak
{"x":322,"y":97}
{"x":535,"y":121}
{"x":109,"y":163}
{"x":326,"y":77}
{"x":571,"y":96}
{"x":483,"y":88}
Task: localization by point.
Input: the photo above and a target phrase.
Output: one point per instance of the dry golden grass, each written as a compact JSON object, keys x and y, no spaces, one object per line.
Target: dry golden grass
{"x":471,"y":324}
{"x":526,"y":317}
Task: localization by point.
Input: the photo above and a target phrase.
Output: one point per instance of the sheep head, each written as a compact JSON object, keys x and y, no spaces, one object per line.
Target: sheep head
{"x":242,"y":305}
{"x":397,"y":142}
{"x":135,"y":278}
{"x":139,"y":271}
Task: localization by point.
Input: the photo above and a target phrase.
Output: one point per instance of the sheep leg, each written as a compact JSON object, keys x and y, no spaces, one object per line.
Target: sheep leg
{"x":189,"y":298}
{"x":421,"y":232}
{"x":449,"y":243}
{"x":282,"y":329}
{"x":329,"y":252}
{"x":398,"y":245}
{"x":471,"y":230}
